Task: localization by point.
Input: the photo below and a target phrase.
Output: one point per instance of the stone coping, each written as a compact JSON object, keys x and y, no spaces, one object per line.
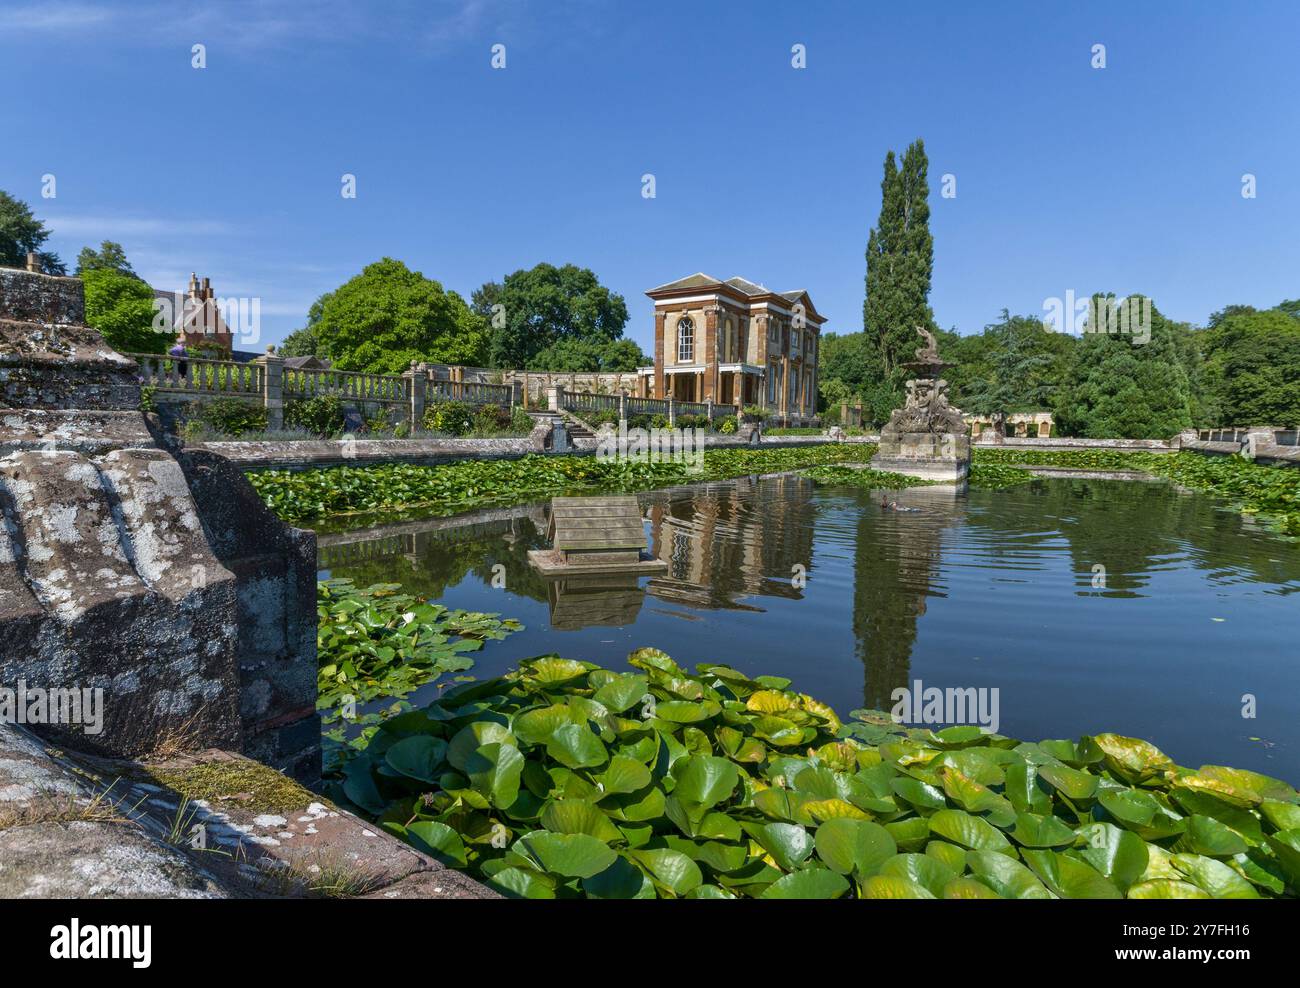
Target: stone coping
{"x":209,"y":824}
{"x":1066,"y":442}
{"x":311,"y":454}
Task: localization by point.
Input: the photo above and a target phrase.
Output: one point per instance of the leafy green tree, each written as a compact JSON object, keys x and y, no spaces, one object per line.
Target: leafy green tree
{"x":21,"y":232}
{"x":900,"y":261}
{"x":533,"y":310}
{"x":389,"y":315}
{"x":121,"y":307}
{"x":1120,"y":387}
{"x":1017,"y":369}
{"x":589,"y":355}
{"x":109,"y":257}
{"x":301,"y":343}
{"x":846,"y":358}
{"x":304,"y":342}
{"x":1252,"y":369}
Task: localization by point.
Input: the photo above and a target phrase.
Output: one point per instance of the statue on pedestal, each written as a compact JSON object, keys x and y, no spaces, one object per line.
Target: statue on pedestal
{"x":927,"y":436}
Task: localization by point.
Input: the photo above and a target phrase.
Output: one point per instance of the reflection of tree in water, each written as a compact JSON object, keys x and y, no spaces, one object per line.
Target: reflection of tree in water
{"x":427,"y":563}
{"x":724,"y":542}
{"x":1133,"y":529}
{"x":896,"y":557}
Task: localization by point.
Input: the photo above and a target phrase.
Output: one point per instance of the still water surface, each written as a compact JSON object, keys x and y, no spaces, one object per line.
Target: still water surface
{"x":1091,"y":605}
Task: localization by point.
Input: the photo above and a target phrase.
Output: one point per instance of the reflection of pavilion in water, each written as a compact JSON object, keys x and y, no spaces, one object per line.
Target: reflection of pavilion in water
{"x":896,"y":558}
{"x":724,"y":542}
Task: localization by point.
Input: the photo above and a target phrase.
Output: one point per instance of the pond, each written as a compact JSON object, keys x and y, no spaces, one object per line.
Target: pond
{"x":1090,"y":605}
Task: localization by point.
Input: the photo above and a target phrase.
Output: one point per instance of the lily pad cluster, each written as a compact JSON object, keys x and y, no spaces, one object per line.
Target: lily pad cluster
{"x":381,"y":642}
{"x":1269,"y":490}
{"x":563,"y":779}
{"x":309,"y":495}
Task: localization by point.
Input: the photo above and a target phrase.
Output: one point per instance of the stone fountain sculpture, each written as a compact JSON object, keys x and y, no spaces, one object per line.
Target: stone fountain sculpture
{"x":927,"y":437}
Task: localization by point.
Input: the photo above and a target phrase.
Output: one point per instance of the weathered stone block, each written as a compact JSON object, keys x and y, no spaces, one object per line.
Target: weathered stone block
{"x":163,"y":582}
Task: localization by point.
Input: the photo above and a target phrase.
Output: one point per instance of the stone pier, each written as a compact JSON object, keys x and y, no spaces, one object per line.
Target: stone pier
{"x":148,"y":592}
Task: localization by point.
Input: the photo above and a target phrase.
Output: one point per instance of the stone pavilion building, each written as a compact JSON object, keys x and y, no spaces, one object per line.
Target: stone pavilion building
{"x":736,"y":343}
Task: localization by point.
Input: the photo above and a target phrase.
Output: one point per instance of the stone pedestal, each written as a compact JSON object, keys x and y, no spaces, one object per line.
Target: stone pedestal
{"x":941,"y":456}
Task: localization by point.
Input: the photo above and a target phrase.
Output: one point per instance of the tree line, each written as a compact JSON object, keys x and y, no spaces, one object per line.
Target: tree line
{"x":1241,"y":368}
{"x":544,"y":318}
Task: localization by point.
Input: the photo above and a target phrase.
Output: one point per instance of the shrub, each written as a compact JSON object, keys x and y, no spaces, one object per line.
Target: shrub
{"x":321,"y":415}
{"x":228,"y":416}
{"x":454,"y":418}
{"x":491,"y":418}
{"x":520,"y":420}
{"x":728,"y":426}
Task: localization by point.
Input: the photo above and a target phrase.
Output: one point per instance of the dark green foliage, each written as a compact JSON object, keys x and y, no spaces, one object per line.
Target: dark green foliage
{"x":321,"y":414}
{"x":1252,"y":369}
{"x":589,"y":355}
{"x":554,"y":318}
{"x":21,"y":232}
{"x":1017,"y":363}
{"x":453,"y":418}
{"x":228,"y":416}
{"x":388,"y":316}
{"x":301,"y":343}
{"x":1120,"y":386}
{"x":121,"y":307}
{"x":900,"y":261}
{"x":109,"y":257}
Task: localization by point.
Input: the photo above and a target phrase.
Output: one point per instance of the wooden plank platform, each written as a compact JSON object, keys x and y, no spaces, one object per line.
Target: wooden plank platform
{"x":592,"y":535}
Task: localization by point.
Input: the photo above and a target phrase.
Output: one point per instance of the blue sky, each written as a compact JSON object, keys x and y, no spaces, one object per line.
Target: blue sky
{"x":1123,"y":179}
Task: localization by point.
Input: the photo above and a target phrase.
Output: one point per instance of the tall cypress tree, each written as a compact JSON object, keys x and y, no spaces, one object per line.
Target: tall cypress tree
{"x":900,"y":261}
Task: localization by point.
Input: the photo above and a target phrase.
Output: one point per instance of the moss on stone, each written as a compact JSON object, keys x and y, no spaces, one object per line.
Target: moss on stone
{"x":237,"y":782}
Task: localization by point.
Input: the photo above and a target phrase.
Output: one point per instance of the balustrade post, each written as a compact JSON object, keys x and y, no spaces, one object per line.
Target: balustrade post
{"x":622,"y":410}
{"x":415,"y":379}
{"x":272,"y":387}
{"x":672,"y":411}
{"x":555,"y":398}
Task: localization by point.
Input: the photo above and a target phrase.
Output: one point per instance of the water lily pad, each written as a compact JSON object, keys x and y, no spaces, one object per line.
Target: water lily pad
{"x":671,"y":870}
{"x":569,"y":855}
{"x":811,"y":883}
{"x":704,"y":780}
{"x":575,"y":746}
{"x":1006,"y":876}
{"x":419,"y":757}
{"x":437,"y":840}
{"x":968,"y":831}
{"x":1069,"y":877}
{"x":494,"y":770}
{"x":1033,"y":830}
{"x":893,"y":887}
{"x":854,"y":847}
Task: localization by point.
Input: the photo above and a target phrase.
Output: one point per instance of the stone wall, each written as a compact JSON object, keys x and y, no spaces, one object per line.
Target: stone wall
{"x":152,"y":575}
{"x":535,"y":383}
